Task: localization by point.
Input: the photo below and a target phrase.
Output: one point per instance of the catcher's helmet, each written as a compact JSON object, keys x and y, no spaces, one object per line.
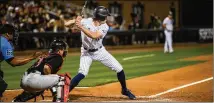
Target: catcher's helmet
{"x":57,"y":45}
{"x":101,"y":13}
{"x":11,"y":30}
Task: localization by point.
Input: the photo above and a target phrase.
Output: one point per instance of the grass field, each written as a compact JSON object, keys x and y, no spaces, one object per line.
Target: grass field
{"x":99,"y":74}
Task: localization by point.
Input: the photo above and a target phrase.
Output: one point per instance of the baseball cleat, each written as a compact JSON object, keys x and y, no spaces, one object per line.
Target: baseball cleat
{"x":128,"y":94}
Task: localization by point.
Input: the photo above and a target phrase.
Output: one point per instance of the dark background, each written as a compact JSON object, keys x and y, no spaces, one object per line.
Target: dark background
{"x":196,"y":13}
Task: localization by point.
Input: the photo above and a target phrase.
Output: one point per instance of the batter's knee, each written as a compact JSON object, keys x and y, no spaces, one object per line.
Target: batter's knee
{"x":84,"y":72}
{"x":118,"y":69}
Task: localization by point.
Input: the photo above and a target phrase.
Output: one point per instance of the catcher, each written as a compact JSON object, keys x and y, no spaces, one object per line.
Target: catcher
{"x":42,"y":74}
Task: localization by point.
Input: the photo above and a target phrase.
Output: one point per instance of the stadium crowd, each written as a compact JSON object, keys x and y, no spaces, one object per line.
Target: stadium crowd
{"x":43,"y":16}
{"x":30,"y":16}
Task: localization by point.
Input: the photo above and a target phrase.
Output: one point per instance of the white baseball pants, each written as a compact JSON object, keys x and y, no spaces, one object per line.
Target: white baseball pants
{"x":168,"y":42}
{"x":35,"y":82}
{"x":101,"y":55}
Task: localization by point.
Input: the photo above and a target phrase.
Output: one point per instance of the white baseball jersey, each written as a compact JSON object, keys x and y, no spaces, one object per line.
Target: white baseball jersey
{"x":88,"y":42}
{"x":101,"y":54}
{"x":169,"y":23}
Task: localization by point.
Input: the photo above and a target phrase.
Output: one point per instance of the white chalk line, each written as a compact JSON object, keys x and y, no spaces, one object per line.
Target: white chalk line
{"x":180,"y":87}
{"x":170,"y":90}
{"x":135,"y":57}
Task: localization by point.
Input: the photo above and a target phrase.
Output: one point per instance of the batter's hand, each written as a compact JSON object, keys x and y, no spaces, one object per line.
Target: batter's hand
{"x":78,"y":22}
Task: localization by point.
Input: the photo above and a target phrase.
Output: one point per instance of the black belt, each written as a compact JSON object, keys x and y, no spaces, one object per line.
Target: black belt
{"x":93,"y":50}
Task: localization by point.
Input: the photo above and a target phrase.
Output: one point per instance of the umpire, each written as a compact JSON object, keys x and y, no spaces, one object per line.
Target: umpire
{"x":8,"y":35}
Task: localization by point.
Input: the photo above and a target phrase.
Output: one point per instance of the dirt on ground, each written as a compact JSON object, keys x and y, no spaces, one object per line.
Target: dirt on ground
{"x":148,"y":88}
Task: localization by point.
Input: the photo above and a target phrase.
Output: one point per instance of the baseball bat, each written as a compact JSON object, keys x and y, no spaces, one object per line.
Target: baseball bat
{"x":68,"y":23}
{"x":83,"y":8}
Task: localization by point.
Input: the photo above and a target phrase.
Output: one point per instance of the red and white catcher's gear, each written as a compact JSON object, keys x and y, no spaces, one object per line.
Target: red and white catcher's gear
{"x":63,"y":88}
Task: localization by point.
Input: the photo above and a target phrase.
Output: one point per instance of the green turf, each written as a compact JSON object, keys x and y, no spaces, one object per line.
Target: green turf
{"x":100,"y":74}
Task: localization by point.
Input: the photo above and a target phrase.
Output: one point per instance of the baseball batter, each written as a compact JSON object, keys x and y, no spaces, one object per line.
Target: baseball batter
{"x":93,"y":30}
{"x":42,"y":74}
{"x":168,"y":30}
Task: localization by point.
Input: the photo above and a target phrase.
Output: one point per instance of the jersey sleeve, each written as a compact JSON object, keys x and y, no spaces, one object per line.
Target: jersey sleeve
{"x":7,"y":50}
{"x":165,"y":21}
{"x":103,"y":30}
{"x":55,"y":63}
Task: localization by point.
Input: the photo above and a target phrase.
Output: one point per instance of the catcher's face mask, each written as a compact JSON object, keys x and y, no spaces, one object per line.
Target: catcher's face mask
{"x":65,"y":52}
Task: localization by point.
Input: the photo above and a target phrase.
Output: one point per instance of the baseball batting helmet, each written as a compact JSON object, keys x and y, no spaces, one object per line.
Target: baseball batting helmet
{"x":101,"y":13}
{"x":11,"y":30}
{"x":57,"y":45}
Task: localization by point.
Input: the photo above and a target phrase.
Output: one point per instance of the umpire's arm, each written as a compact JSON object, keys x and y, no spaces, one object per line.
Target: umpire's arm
{"x":15,"y":61}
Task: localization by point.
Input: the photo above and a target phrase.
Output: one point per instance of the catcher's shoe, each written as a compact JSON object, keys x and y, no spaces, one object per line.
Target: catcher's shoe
{"x":25,"y":96}
{"x":128,"y":94}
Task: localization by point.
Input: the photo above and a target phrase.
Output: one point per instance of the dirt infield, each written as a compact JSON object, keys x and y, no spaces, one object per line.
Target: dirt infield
{"x":191,"y":83}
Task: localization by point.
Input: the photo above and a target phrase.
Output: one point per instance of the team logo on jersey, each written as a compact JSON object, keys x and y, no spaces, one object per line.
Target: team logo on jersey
{"x":9,"y":52}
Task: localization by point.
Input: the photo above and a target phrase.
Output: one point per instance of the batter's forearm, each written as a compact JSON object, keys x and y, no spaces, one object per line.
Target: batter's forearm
{"x":91,"y":34}
{"x":69,"y":22}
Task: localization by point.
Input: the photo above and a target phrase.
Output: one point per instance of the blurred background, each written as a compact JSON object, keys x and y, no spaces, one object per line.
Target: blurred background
{"x":134,"y":22}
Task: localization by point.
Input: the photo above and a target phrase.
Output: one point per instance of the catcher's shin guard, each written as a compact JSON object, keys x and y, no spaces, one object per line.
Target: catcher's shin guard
{"x":66,"y":87}
{"x":63,"y":88}
{"x":54,"y":93}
